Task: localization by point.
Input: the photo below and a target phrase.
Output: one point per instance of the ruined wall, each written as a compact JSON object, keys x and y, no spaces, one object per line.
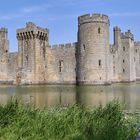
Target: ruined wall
{"x":61,"y":64}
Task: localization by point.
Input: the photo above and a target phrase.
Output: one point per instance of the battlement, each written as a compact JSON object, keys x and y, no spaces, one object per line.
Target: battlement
{"x":64,"y":46}
{"x":93,"y":18}
{"x":137,"y":43}
{"x":127,"y":34}
{"x":30,"y":25}
{"x":2,"y":29}
{"x":32,"y":31}
{"x":116,"y":28}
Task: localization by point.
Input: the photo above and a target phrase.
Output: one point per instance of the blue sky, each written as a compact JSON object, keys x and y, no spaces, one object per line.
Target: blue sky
{"x":60,"y":16}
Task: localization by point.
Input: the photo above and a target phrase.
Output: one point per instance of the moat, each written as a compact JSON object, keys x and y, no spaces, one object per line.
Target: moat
{"x":55,"y":95}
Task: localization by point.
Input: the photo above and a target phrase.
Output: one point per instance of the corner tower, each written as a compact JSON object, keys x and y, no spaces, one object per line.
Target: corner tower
{"x":4,"y":42}
{"x":4,"y":53}
{"x":93,"y":49}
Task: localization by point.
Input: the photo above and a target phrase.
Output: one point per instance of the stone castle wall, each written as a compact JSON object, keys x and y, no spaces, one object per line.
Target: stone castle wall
{"x":123,"y":56}
{"x":93,"y":49}
{"x":61,"y":64}
{"x":137,"y":59}
{"x":4,"y":51}
{"x":92,"y":60}
{"x":12,"y":65}
{"x":32,"y":43}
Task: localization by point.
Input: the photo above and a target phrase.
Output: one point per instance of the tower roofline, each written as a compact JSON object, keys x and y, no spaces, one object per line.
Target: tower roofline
{"x":30,"y":26}
{"x":3,"y":29}
{"x":116,"y":28}
{"x":93,"y":18}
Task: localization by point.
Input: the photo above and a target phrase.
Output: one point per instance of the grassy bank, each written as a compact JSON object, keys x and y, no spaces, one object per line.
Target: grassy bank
{"x":23,"y":122}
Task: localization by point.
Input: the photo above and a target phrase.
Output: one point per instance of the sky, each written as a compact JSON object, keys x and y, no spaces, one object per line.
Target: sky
{"x":60,"y":17}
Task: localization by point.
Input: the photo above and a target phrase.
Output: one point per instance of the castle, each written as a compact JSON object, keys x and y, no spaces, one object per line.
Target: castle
{"x":90,"y":61}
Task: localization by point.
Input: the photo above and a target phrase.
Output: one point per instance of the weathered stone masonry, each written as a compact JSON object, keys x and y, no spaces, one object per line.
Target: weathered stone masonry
{"x":91,"y":60}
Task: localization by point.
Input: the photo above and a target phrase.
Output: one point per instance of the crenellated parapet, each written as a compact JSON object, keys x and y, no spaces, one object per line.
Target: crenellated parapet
{"x":116,"y":28}
{"x":3,"y":33}
{"x":64,"y":46}
{"x":127,"y":35}
{"x":137,"y":43}
{"x":88,"y":18}
{"x":2,"y":29}
{"x":32,"y":31}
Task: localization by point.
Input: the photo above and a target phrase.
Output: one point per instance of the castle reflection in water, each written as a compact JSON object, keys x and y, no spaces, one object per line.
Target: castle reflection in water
{"x":64,"y":95}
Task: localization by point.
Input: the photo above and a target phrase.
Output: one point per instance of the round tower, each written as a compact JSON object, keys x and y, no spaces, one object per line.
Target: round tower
{"x":93,"y":49}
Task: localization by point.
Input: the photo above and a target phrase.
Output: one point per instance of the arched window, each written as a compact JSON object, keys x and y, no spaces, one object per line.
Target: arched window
{"x":99,"y":30}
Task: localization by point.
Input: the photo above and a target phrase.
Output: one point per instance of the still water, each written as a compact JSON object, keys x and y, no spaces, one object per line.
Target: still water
{"x":54,"y":95}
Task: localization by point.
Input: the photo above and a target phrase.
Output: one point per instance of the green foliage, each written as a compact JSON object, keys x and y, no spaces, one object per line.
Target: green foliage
{"x":25,"y":122}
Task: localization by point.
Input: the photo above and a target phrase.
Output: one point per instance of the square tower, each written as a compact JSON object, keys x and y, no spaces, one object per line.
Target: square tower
{"x":32,"y":43}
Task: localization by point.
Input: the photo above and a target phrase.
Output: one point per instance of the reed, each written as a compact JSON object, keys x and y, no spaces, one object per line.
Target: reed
{"x":76,"y":122}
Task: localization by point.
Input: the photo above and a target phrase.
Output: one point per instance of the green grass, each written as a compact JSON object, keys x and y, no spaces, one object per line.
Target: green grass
{"x":25,"y":122}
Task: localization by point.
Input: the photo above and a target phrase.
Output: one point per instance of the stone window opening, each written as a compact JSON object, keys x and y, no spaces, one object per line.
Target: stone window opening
{"x":136,"y":50}
{"x":100,"y":78}
{"x":6,"y":51}
{"x":60,"y":65}
{"x":26,"y":57}
{"x":84,"y":47}
{"x":99,"y":63}
{"x":123,"y":60}
{"x":60,"y":69}
{"x":123,"y":70}
{"x":114,"y":71}
{"x":99,"y":30}
{"x":123,"y":48}
{"x":44,"y":52}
